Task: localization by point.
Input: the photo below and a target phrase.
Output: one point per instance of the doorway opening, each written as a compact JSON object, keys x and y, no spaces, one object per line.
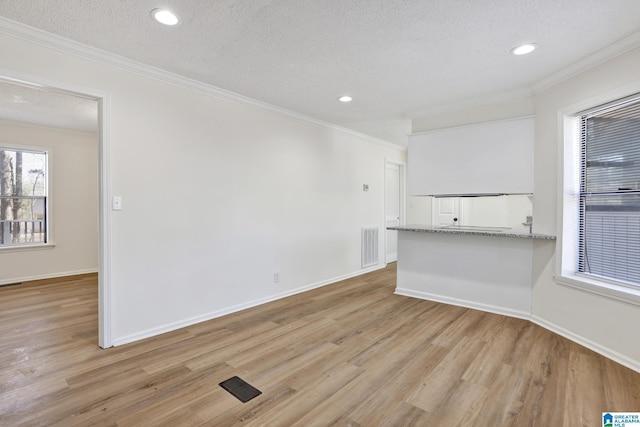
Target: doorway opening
{"x":68,"y":120}
{"x":394,"y":206}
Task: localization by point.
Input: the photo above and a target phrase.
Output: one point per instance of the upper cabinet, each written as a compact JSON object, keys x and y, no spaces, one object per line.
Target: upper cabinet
{"x":486,"y":158}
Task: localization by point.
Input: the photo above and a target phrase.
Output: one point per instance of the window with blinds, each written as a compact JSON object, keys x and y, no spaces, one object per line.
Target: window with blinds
{"x":609,"y":237}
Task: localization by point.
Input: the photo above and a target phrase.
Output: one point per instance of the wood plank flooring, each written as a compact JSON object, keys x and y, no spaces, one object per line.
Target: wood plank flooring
{"x":348,"y":354}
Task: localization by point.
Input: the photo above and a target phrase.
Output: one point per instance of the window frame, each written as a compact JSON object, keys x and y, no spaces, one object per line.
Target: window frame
{"x":567,"y":244}
{"x":48,"y":243}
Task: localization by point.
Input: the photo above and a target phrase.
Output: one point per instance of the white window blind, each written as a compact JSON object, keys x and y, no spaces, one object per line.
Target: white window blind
{"x":609,"y":244}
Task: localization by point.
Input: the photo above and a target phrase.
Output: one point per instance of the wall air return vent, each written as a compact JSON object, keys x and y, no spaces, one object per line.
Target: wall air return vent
{"x":369,"y":246}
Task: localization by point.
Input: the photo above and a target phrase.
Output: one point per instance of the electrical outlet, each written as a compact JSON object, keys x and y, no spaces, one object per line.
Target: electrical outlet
{"x":276,"y":277}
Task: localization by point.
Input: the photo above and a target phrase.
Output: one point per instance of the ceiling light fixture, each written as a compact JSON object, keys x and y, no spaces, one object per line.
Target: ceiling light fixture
{"x":523,"y":49}
{"x":165,"y":16}
{"x":345,"y":98}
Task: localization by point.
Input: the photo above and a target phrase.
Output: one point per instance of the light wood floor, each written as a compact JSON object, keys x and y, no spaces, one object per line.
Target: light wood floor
{"x":348,"y":354}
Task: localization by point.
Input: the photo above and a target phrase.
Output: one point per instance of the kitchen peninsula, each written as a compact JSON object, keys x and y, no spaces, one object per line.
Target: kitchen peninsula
{"x":487,"y":268}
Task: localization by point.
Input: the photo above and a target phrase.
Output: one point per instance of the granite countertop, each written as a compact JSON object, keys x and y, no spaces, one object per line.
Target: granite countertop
{"x":472,"y":231}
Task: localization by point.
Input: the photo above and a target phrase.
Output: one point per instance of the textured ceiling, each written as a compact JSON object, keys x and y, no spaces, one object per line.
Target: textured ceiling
{"x":397,"y":58}
{"x":44,"y":107}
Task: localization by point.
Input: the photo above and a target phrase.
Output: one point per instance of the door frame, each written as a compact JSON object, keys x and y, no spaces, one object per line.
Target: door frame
{"x":402,"y":196}
{"x":104,"y":190}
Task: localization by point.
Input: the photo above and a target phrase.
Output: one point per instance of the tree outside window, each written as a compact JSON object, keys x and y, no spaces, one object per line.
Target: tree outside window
{"x":23,"y":197}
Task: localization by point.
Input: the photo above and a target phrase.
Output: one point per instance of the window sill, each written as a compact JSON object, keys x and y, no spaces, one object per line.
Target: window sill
{"x":27,"y":248}
{"x":598,"y":287}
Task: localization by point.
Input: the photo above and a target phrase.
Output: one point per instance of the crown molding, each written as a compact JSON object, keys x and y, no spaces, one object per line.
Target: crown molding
{"x":471,"y":103}
{"x":37,"y":36}
{"x":469,"y":125}
{"x":612,"y":51}
{"x":616,"y":49}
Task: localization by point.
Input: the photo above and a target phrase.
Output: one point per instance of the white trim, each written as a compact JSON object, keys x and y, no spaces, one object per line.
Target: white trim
{"x":234,"y":309}
{"x":15,"y":280}
{"x":463,"y":303}
{"x":566,"y":263}
{"x":471,"y":125}
{"x":403,"y":185}
{"x":616,"y":49}
{"x":600,"y":287}
{"x":403,"y":200}
{"x":43,"y":38}
{"x":25,"y":247}
{"x":48,"y":193}
{"x":552,"y":327}
{"x":471,"y":103}
{"x":105,"y":321}
{"x":591,"y":345}
{"x":612,"y":51}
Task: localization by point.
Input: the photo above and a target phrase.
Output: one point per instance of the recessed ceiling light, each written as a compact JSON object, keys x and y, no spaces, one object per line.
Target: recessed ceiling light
{"x":345,"y":98}
{"x":165,"y":16}
{"x":523,"y":49}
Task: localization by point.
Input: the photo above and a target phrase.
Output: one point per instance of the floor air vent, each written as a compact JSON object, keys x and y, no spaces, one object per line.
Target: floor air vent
{"x":242,"y":390}
{"x":369,"y":246}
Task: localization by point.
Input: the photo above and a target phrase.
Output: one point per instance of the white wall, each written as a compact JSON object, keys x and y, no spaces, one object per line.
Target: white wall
{"x":485,"y":158}
{"x":218,"y":195}
{"x":73,"y":205}
{"x":499,"y":211}
{"x":604,"y":324}
{"x":419,"y":209}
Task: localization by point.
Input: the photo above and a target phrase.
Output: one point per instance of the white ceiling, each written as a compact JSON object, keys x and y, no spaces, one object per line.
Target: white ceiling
{"x":397,"y":58}
{"x":22,"y":103}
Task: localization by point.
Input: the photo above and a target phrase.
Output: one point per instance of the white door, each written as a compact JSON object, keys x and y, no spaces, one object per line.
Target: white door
{"x":446,"y":211}
{"x":393,"y":208}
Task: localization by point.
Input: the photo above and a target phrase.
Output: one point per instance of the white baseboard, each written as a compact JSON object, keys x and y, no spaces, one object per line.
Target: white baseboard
{"x":606,"y":352}
{"x":464,"y":303}
{"x":15,"y":280}
{"x":233,"y":309}
{"x":579,"y":339}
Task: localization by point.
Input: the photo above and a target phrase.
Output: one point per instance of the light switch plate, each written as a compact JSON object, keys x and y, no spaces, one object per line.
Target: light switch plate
{"x":116,"y":204}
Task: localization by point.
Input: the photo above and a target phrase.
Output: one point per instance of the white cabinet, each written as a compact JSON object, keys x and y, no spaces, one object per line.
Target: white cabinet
{"x":486,"y":158}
